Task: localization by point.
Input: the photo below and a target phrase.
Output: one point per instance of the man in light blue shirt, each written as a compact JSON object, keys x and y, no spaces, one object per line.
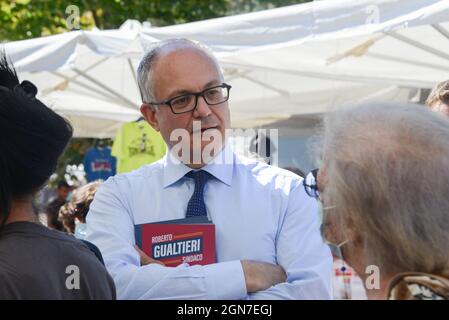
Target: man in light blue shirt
{"x":265,"y":223}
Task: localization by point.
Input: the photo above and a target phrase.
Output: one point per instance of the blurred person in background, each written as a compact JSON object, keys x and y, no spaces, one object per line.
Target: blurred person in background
{"x":295,"y":170}
{"x":383,"y":186}
{"x":73,"y":214}
{"x":36,"y":262}
{"x":438,"y":100}
{"x":62,"y":196}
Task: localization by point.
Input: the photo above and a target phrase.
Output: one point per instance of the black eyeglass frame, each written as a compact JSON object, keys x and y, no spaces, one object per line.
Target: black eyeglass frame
{"x":168,"y":102}
{"x":310,"y":184}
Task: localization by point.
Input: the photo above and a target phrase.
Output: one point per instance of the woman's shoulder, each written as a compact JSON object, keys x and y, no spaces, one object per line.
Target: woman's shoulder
{"x":37,"y":239}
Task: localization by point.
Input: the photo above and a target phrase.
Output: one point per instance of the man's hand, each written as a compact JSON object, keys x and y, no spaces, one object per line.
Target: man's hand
{"x":262,"y":275}
{"x":145,"y":259}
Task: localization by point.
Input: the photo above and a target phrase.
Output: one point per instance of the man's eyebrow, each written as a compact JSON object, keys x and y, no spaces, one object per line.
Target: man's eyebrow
{"x":212,"y":83}
{"x":183,"y":92}
{"x":178,"y":93}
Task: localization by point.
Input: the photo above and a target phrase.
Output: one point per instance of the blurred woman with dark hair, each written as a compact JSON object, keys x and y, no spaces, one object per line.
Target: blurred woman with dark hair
{"x":73,"y":214}
{"x":438,"y":100}
{"x":36,"y":262}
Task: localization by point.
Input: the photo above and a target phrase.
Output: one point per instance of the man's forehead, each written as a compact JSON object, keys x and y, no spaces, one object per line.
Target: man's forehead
{"x":178,"y":52}
{"x":184,"y":69}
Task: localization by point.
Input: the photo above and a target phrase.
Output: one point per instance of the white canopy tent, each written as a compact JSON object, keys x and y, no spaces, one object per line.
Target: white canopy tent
{"x":88,"y":76}
{"x":297,"y":60}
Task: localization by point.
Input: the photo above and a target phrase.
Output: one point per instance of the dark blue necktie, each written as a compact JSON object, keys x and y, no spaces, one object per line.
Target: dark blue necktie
{"x":196,"y":206}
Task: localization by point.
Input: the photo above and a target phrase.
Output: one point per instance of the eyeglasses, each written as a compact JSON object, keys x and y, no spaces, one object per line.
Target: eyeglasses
{"x":310,"y":184}
{"x":188,"y":102}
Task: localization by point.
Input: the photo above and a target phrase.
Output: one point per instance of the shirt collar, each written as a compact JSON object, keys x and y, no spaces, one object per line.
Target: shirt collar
{"x":221,"y":167}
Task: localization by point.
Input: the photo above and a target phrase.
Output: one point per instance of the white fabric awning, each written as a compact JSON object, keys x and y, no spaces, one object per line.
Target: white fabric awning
{"x":297,"y":60}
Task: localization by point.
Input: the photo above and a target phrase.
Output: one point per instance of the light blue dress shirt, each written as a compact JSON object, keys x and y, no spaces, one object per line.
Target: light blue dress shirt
{"x":260,"y":213}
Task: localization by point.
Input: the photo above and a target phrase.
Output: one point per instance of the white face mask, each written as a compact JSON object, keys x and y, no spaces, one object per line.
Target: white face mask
{"x":335,"y":248}
{"x":80,"y":230}
{"x":321,"y":214}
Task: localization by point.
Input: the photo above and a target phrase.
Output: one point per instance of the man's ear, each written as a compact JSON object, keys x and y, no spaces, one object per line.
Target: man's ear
{"x":149,"y":113}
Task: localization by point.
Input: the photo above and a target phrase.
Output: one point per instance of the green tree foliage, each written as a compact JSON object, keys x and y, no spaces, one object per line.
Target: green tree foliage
{"x":25,"y":19}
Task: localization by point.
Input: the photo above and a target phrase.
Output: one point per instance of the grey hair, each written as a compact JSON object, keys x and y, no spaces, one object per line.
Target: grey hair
{"x":145,"y":69}
{"x":387,"y":178}
{"x":439,"y":94}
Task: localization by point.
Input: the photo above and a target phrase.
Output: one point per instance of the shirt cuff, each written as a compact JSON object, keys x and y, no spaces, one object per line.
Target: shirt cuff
{"x":225,"y":280}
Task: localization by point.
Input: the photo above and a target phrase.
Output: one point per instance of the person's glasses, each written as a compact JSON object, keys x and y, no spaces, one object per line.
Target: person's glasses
{"x":188,"y":102}
{"x":310,"y":184}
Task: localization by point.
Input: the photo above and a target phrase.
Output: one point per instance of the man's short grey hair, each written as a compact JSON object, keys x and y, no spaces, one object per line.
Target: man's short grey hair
{"x":387,"y":179}
{"x":145,"y":69}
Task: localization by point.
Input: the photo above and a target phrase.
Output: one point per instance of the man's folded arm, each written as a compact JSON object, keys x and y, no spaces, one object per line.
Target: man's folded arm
{"x":301,"y":252}
{"x":111,"y":228}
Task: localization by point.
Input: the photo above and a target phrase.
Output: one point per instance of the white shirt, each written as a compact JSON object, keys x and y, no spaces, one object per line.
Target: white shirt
{"x":260,"y":213}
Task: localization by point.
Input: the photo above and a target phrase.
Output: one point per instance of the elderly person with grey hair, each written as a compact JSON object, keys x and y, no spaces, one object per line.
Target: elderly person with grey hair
{"x":384,"y":185}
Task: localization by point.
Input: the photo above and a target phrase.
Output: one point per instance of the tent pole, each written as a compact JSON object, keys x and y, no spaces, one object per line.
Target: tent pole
{"x":133,"y":72}
{"x":85,"y":86}
{"x":441,"y":30}
{"x":419,"y":45}
{"x":235,"y":76}
{"x":101,"y":85}
{"x":282,"y":92}
{"x":73,"y":78}
{"x":406,"y":61}
{"x":336,"y":77}
{"x":87,"y":69}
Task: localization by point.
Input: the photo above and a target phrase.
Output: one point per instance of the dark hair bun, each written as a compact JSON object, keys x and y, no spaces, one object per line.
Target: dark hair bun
{"x":32,"y":137}
{"x":27,"y":88}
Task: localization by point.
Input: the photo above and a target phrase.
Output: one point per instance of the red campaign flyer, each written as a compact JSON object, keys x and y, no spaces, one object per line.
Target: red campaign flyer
{"x":178,"y":241}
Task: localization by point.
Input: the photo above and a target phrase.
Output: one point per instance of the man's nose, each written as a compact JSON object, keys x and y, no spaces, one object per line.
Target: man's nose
{"x":202,"y":109}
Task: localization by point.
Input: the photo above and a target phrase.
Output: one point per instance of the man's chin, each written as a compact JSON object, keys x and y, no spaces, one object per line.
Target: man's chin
{"x":207,"y":151}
